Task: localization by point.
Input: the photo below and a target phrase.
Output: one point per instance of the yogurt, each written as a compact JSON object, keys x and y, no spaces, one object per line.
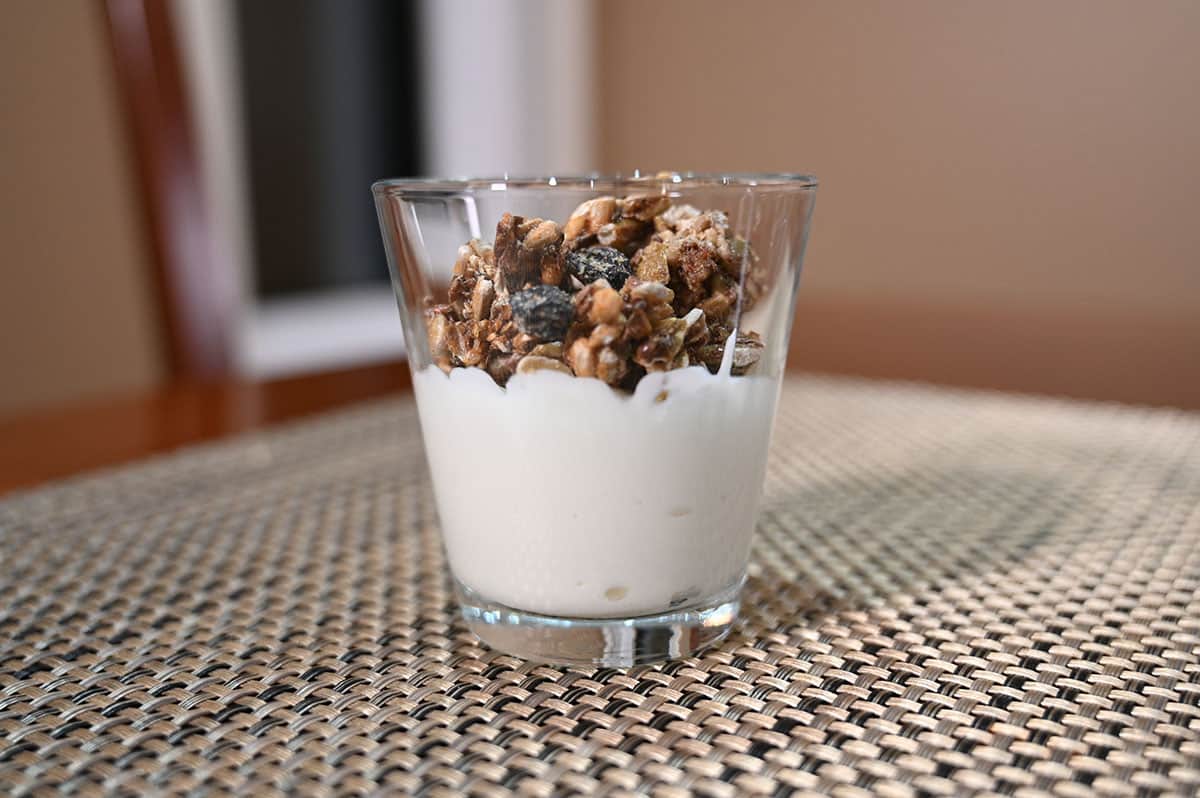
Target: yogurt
{"x":561,"y":496}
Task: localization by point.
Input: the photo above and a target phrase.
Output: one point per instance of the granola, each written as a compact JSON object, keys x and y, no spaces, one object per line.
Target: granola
{"x":624,"y":287}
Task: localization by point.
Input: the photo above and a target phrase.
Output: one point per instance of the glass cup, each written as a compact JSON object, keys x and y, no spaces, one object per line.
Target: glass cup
{"x":596,"y":363}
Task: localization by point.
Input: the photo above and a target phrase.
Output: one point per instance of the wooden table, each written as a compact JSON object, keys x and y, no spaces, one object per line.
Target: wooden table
{"x":57,"y":443}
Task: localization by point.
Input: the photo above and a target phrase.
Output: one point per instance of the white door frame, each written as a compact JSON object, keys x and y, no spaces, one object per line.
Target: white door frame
{"x":508,"y":89}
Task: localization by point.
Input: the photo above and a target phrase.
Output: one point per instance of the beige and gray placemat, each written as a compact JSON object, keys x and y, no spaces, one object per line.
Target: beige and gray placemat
{"x":951,"y":593}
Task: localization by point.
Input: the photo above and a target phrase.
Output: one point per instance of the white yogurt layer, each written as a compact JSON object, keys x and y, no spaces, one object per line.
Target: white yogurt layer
{"x":558,"y":495}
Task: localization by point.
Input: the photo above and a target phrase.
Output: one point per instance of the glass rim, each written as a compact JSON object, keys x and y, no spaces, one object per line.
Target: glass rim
{"x":670,"y":181}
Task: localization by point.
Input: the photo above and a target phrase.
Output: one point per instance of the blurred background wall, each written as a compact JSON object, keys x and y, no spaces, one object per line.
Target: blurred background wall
{"x":1006,"y":202}
{"x":1008,"y":191}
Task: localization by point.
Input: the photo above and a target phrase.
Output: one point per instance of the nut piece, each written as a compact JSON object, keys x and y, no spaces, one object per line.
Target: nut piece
{"x":543,"y":312}
{"x":599,"y":355}
{"x":475,"y":257}
{"x":552,"y":350}
{"x":660,"y":351}
{"x":597,"y":345}
{"x":598,"y":263}
{"x":440,"y":329}
{"x":598,"y":303}
{"x":541,"y":234}
{"x":586,"y":220}
{"x":481,"y":299}
{"x":475,"y":261}
{"x":581,"y":357}
{"x":468,"y":343}
{"x":671,"y":219}
{"x":623,"y":224}
{"x":606,"y":306}
{"x":646,"y":305}
{"x":532,"y":363}
{"x":649,"y":292}
{"x":747,"y":351}
{"x":462,"y":286}
{"x":643,"y":207}
{"x":528,"y":252}
{"x":626,"y":235}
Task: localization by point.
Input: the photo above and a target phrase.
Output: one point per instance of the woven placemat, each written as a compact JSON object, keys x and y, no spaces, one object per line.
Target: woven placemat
{"x":951,"y":593}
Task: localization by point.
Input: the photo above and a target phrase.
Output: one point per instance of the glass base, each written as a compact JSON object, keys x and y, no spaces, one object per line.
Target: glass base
{"x":610,"y":642}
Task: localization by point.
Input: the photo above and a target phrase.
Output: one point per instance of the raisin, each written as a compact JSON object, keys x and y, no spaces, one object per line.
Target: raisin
{"x":543,"y":312}
{"x":599,"y":263}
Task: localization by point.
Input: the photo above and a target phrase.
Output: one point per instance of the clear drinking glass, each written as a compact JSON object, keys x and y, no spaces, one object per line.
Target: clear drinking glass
{"x":596,"y":393}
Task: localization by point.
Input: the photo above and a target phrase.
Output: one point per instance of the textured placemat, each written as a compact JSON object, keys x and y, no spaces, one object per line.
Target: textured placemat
{"x":951,"y":593}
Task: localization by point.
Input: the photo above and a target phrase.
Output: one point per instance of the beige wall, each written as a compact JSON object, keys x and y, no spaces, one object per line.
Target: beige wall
{"x":1008,"y":189}
{"x":75,"y":304}
{"x":983,"y":165}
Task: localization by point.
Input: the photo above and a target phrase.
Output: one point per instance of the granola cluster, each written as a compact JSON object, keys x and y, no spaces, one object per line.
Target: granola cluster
{"x":627,"y":286}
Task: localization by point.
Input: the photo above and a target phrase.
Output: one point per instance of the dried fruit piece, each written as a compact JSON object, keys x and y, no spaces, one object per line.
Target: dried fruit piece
{"x":599,"y":263}
{"x":542,"y":312}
